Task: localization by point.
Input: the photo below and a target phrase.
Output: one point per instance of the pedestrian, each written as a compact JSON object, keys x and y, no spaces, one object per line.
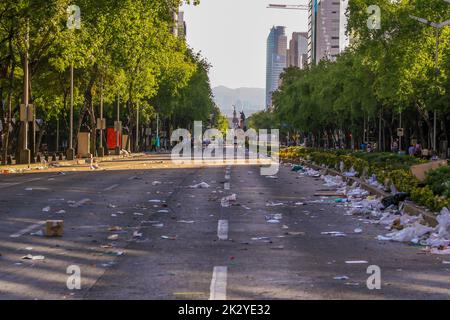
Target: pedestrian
{"x":418,"y":151}
{"x":394,"y":146}
{"x":153,"y":144}
{"x":412,"y":150}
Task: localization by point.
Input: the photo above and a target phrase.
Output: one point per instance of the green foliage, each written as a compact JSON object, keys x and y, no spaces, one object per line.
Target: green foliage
{"x":387,"y":169}
{"x":439,"y":181}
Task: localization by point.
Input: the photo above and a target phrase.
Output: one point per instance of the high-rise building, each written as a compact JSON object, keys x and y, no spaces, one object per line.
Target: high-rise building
{"x":298,"y":50}
{"x":179,"y":26}
{"x":276,"y":61}
{"x":327,"y":25}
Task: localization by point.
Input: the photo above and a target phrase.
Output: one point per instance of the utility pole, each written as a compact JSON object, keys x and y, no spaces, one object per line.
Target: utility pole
{"x":118,"y":126}
{"x":70,"y":154}
{"x":137,"y":128}
{"x":25,"y":114}
{"x":101,"y":122}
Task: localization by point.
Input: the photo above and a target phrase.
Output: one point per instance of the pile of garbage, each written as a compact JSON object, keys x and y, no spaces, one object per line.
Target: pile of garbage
{"x":388,"y":212}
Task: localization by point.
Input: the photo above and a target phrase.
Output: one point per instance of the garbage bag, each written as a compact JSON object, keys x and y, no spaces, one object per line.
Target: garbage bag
{"x":298,"y":168}
{"x":395,"y":199}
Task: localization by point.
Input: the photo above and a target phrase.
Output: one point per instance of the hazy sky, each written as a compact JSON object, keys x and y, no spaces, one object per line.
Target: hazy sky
{"x":232,"y":35}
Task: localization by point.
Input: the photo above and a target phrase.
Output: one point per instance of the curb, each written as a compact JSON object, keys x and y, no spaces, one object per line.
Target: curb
{"x":409,"y":207}
{"x":69,"y":162}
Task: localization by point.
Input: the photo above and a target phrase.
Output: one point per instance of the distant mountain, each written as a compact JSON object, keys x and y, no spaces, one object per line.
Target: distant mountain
{"x":250,"y":100}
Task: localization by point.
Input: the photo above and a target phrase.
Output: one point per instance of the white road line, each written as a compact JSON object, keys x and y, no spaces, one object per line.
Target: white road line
{"x":226,"y":186}
{"x":111,"y":187}
{"x":222,"y":230}
{"x":27,"y":229}
{"x":80,"y":203}
{"x":218,"y":289}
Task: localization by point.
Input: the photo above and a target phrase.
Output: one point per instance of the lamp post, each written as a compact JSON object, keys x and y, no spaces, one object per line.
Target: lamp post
{"x":118,"y":127}
{"x":438,"y":27}
{"x":24,"y":155}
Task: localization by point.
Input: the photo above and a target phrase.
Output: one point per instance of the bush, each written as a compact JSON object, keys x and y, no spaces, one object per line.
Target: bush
{"x":388,"y":168}
{"x":439,"y":181}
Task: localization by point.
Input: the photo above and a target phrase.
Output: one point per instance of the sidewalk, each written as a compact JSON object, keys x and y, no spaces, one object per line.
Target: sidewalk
{"x":20,"y":168}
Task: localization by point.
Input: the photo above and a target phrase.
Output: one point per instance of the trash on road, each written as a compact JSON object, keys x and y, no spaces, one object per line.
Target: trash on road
{"x":274,"y":218}
{"x":137,"y":234}
{"x":169,"y":237}
{"x":158,"y":225}
{"x":154,"y":201}
{"x":356,"y":262}
{"x":46,"y":209}
{"x":113,"y":237}
{"x":31,"y":257}
{"x":274,"y":204}
{"x":297,"y":168}
{"x":358,"y":230}
{"x":228,"y":200}
{"x":413,"y":233}
{"x":54,"y":228}
{"x":394,"y":199}
{"x":186,"y":221}
{"x":341,"y":278}
{"x":115,"y":228}
{"x":61,"y":211}
{"x":163,"y":211}
{"x":334,"y":233}
{"x":201,"y":185}
{"x":155,"y":183}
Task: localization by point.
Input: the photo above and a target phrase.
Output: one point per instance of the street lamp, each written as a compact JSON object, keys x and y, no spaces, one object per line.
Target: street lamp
{"x":438,"y":27}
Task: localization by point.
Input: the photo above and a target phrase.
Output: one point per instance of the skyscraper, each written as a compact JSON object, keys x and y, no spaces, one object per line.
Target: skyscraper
{"x":276,"y":61}
{"x":298,"y":50}
{"x":327,"y":24}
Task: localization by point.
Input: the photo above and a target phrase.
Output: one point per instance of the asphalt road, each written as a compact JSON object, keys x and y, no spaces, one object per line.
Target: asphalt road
{"x":178,"y":242}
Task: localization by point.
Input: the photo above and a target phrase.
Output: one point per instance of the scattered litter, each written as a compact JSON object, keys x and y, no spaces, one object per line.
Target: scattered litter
{"x":46,"y":209}
{"x":226,"y":201}
{"x":297,"y":168}
{"x":412,"y":233}
{"x":138,"y":214}
{"x":54,"y":228}
{"x":201,"y":185}
{"x":274,"y":204}
{"x":261,"y":239}
{"x":169,"y":237}
{"x":155,"y":183}
{"x":113,"y":253}
{"x":154,"y":201}
{"x":341,"y":278}
{"x":163,"y":211}
{"x":61,"y":211}
{"x":39,"y":233}
{"x":356,"y":262}
{"x":137,"y":234}
{"x":158,"y":225}
{"x":115,"y":228}
{"x":358,"y":230}
{"x":334,"y":233}
{"x":186,"y":221}
{"x":113,"y":237}
{"x":293,"y":233}
{"x":31,"y":257}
